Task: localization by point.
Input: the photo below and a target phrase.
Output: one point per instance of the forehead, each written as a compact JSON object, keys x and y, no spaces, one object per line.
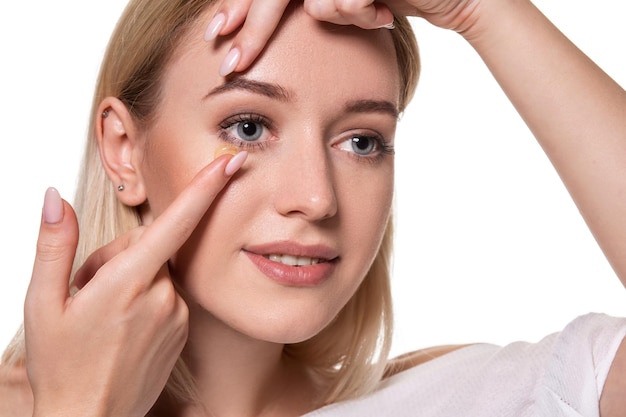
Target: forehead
{"x":304,"y":55}
{"x":321,"y":53}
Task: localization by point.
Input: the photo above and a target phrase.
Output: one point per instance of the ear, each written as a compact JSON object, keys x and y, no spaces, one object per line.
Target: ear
{"x":120,"y":150}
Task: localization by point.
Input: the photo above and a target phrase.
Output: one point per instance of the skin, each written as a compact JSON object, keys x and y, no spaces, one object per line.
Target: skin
{"x":526,"y":53}
{"x":497,"y":30}
{"x":130,"y":298}
{"x":305,"y":186}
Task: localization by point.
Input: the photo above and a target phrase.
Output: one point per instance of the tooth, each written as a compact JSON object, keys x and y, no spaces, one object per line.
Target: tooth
{"x":275,"y":258}
{"x":289,"y":260}
{"x":293,"y":260}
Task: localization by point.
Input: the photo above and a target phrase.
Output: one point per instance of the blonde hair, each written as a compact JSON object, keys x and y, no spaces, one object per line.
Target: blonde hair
{"x":350,"y":355}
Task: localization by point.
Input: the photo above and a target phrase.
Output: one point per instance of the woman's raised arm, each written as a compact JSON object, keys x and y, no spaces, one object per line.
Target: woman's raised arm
{"x":576,"y":112}
{"x":578,"y":115}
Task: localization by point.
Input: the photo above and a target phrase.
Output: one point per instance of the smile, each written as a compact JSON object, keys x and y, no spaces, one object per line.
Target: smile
{"x":293,"y":260}
{"x":293,"y":264}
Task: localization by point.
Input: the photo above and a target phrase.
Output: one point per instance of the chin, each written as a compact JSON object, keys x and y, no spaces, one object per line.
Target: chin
{"x":285,"y":327}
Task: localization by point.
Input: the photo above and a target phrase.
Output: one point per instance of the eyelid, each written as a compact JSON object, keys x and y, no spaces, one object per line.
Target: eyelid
{"x":246,"y":117}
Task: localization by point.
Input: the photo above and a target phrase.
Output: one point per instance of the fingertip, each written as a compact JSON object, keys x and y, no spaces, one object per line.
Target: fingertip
{"x":243,"y":54}
{"x":56,"y":247}
{"x":256,"y":22}
{"x":215,"y":27}
{"x":235,"y":163}
{"x":385,"y":15}
{"x":230,"y":62}
{"x":53,"y":207}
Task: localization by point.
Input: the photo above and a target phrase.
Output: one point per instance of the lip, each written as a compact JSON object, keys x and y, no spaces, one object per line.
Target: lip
{"x":297,"y":276}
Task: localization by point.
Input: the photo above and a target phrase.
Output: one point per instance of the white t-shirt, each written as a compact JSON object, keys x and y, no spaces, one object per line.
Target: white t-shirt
{"x":562,"y":375}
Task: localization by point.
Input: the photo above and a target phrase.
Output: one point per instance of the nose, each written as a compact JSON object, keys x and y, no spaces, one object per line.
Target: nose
{"x":306,"y":184}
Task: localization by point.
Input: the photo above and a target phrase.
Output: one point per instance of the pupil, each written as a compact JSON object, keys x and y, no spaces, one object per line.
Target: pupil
{"x":363,"y":145}
{"x":249,"y":129}
{"x":360,"y":143}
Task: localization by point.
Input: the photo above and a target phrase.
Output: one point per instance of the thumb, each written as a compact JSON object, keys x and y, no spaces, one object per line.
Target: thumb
{"x":56,"y":247}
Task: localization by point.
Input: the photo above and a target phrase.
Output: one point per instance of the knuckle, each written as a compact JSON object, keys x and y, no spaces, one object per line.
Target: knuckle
{"x":165,"y":298}
{"x":347,"y":6}
{"x":254,"y":39}
{"x":120,"y":278}
{"x":32,"y":314}
{"x":316,"y":9}
{"x":234,"y":8}
{"x":182,"y":313}
{"x":52,"y":249}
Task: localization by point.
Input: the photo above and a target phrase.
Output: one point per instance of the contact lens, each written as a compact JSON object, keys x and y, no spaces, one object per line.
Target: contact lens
{"x":225,"y":150}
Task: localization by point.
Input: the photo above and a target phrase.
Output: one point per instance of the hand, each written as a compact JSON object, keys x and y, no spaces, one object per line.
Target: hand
{"x":261,"y":17}
{"x":109,"y":349}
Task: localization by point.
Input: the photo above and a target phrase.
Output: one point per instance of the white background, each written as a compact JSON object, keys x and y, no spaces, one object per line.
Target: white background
{"x":489,"y":246}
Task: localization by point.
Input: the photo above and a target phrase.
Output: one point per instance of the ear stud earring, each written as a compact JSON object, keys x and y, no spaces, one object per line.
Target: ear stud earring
{"x":120,"y":187}
{"x":105,"y":114}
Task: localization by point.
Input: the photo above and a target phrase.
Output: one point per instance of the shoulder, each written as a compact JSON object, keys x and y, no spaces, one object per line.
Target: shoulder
{"x":418,"y":357}
{"x":16,"y":399}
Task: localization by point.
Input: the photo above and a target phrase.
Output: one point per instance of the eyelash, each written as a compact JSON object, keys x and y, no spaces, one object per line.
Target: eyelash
{"x":383,"y":147}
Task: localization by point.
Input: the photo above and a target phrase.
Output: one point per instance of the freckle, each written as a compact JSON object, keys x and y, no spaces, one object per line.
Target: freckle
{"x":225,"y":150}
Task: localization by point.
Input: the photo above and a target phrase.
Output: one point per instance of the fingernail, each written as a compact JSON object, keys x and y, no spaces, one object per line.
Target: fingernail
{"x":214,"y":27}
{"x":230,"y":62}
{"x":52,"y":206}
{"x":235,"y":163}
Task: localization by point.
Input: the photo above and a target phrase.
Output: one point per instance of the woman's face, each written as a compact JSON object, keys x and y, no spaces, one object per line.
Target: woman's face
{"x":317,"y":113}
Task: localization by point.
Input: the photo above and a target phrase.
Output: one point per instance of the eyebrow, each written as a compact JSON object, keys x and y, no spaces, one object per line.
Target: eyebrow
{"x":273,"y":91}
{"x":372,"y":106}
{"x":277,"y":92}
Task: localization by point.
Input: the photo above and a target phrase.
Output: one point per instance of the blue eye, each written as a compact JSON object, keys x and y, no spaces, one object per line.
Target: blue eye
{"x":249,"y":131}
{"x":365,"y":146}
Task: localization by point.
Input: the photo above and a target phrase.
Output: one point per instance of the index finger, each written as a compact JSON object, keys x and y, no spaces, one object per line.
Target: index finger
{"x":257,"y":20}
{"x":172,"y":228}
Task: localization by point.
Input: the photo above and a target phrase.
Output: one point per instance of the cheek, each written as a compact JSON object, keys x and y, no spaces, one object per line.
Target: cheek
{"x":167,"y":169}
{"x":366,"y":198}
{"x":366,"y":207}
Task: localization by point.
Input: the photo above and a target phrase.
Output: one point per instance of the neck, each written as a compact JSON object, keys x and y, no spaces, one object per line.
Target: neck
{"x":238,"y":376}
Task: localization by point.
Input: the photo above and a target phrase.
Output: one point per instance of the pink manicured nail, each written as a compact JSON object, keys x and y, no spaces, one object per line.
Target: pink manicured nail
{"x":235,"y":163}
{"x":214,"y":27}
{"x":230,"y":62}
{"x":52,"y":206}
